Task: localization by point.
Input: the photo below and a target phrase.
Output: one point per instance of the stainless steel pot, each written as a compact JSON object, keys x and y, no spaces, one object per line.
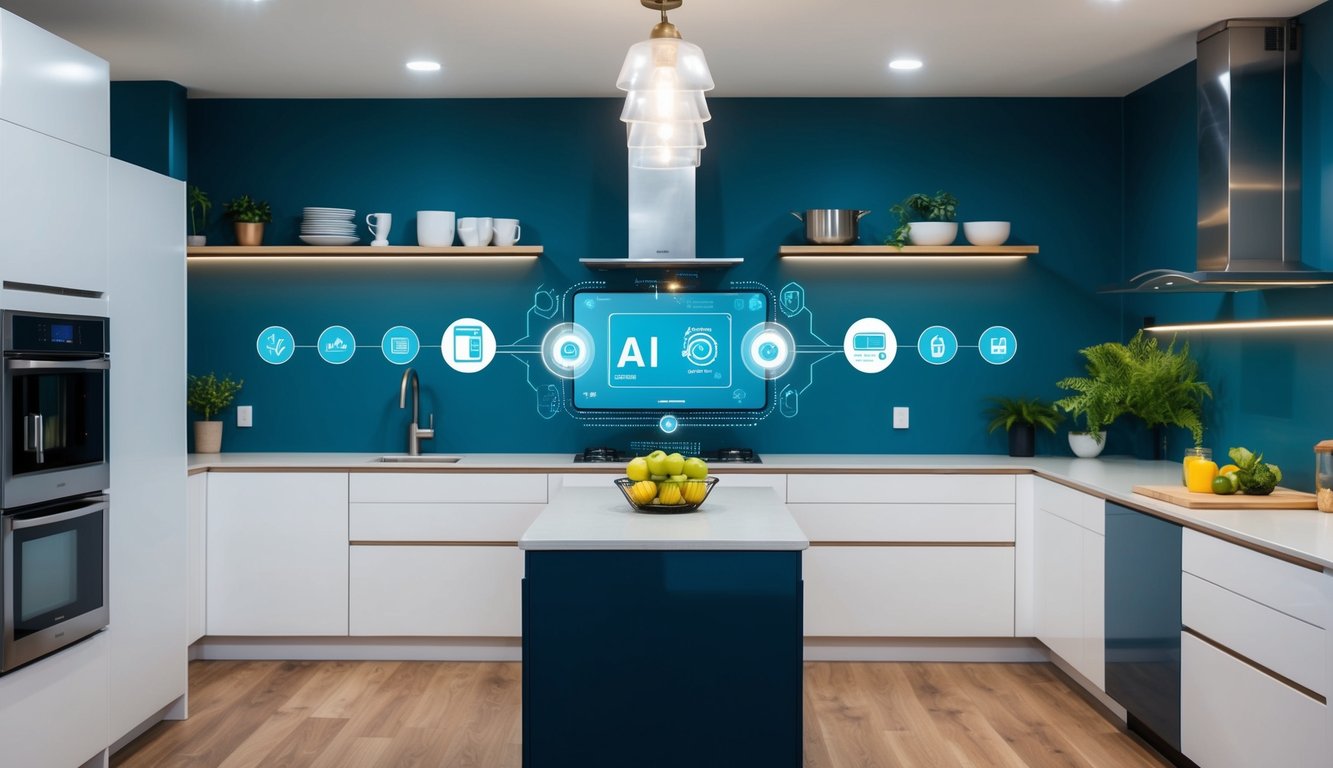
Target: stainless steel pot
{"x":831,"y":226}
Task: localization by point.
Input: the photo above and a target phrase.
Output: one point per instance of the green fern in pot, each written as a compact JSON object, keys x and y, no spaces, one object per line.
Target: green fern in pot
{"x":1158,"y":385}
{"x":1020,"y":417}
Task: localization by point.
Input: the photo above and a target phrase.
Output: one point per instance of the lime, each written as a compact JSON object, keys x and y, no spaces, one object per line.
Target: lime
{"x":1225,"y":485}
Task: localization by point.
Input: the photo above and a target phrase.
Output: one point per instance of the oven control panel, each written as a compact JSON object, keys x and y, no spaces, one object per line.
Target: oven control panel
{"x":44,"y":334}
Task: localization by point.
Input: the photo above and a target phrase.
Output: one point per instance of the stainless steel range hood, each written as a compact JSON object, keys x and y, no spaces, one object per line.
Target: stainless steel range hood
{"x":1249,"y":165}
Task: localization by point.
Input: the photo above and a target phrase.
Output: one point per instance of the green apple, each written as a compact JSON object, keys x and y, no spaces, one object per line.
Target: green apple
{"x":674,"y":464}
{"x":637,"y":469}
{"x":696,"y":468}
{"x":657,"y":463}
{"x":677,"y":478}
{"x":658,"y":478}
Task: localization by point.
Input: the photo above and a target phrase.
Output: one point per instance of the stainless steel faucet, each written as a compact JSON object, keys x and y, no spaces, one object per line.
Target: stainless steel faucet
{"x":415,"y":434}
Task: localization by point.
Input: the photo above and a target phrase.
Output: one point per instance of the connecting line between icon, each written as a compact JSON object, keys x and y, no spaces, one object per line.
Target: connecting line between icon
{"x":802,"y":390}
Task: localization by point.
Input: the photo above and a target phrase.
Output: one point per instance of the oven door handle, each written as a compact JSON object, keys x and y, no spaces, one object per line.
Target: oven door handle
{"x":101,"y":364}
{"x":83,"y":510}
{"x":34,"y":436}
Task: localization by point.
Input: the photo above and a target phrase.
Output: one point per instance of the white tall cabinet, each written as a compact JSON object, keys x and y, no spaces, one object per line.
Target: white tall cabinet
{"x":54,"y":141}
{"x":148,"y":523}
{"x":59,"y":252}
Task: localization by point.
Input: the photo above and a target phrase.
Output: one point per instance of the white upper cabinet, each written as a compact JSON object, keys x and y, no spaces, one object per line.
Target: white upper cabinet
{"x":52,"y":86}
{"x":53,"y":212}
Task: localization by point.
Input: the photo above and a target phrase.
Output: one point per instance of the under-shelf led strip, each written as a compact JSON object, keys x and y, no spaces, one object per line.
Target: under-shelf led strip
{"x":1245,"y":325}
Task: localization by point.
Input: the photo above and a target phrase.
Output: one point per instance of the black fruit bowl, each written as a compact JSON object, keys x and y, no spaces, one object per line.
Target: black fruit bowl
{"x":624,"y":484}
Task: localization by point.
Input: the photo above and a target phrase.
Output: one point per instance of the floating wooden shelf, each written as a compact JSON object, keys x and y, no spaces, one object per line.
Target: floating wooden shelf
{"x":911,"y":251}
{"x":362,"y":251}
{"x":676,"y":264}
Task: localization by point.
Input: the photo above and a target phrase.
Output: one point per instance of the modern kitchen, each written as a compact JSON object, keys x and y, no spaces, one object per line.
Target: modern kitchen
{"x":666,"y":383}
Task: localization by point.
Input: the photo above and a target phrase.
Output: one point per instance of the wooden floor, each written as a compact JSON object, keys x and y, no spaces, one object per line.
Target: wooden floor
{"x":462,"y":715}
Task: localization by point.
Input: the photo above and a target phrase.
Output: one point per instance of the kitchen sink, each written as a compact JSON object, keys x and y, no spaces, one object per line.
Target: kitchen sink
{"x":423,"y":459}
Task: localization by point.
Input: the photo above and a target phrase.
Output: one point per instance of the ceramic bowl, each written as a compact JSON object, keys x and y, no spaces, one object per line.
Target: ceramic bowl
{"x":986,"y":232}
{"x":933,"y":232}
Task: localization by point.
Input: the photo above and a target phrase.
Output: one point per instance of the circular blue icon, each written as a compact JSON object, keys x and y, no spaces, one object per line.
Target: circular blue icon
{"x":768,"y":351}
{"x":336,"y":345}
{"x":400,"y":345}
{"x":700,"y":349}
{"x":937,"y":345}
{"x":998,"y":345}
{"x":275,"y":345}
{"x":668,"y":424}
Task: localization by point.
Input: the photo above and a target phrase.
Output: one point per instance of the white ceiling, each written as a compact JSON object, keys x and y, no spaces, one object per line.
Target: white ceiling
{"x":512,"y":48}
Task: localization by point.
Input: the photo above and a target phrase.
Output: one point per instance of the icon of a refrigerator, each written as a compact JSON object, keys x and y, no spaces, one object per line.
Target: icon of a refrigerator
{"x":467,"y":344}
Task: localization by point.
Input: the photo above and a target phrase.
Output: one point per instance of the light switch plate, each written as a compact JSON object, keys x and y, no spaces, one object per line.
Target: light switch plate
{"x":901,"y":417}
{"x":245,"y":416}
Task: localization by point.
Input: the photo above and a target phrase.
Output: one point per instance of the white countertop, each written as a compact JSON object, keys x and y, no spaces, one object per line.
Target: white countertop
{"x":600,"y":518}
{"x":1303,"y":534}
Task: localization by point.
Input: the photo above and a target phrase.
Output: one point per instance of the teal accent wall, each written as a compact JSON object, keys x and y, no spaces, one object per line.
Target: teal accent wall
{"x":148,"y":126}
{"x":1052,"y":166}
{"x":1272,"y":387}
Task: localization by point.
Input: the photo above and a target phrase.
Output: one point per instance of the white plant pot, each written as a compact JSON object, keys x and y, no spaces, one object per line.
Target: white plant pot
{"x":933,"y":232}
{"x":207,"y":436}
{"x":194,"y":241}
{"x":986,"y":233}
{"x":1085,"y":445}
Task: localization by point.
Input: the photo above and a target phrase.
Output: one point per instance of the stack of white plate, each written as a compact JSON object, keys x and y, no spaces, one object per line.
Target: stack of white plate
{"x":329,"y":226}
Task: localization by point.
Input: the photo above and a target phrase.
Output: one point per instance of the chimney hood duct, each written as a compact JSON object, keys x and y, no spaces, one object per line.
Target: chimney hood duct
{"x":1249,"y":92}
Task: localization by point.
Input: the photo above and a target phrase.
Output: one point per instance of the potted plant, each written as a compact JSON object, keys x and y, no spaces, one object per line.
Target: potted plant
{"x":926,"y":220}
{"x":1099,"y":397}
{"x":1158,"y":385}
{"x":249,"y":216}
{"x":1020,"y":417}
{"x":1165,"y":390}
{"x":200,"y":206}
{"x":206,"y":396}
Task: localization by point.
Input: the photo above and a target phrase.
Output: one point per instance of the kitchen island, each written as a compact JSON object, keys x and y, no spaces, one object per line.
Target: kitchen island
{"x":662,"y":640}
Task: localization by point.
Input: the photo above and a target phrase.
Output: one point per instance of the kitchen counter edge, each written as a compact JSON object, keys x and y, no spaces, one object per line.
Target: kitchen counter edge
{"x":1303,"y":537}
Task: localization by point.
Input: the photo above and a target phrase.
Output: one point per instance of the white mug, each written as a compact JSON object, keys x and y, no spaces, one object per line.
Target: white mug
{"x":435,"y":229}
{"x":507,"y":232}
{"x":475,"y":231}
{"x":380,"y":227}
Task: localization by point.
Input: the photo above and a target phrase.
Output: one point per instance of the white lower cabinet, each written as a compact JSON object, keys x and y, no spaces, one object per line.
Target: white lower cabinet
{"x":436,"y":590}
{"x":196,"y":535}
{"x":1235,"y":716}
{"x":54,"y":713}
{"x":277,"y":554}
{"x":909,"y":591}
{"x":1069,"y":578}
{"x":1059,"y":586}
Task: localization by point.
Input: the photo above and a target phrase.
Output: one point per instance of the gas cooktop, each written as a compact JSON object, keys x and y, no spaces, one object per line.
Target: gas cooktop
{"x":617,"y":456}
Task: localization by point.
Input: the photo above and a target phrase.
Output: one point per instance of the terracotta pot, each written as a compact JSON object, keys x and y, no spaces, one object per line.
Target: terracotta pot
{"x":208,"y":436}
{"x":249,"y":234}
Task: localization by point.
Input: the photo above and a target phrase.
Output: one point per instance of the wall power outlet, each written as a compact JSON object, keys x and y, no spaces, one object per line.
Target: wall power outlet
{"x":901,"y":417}
{"x":245,"y":415}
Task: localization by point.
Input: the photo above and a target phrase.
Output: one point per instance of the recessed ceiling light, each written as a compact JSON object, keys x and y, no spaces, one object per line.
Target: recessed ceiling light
{"x":905,"y":65}
{"x":424,"y":66}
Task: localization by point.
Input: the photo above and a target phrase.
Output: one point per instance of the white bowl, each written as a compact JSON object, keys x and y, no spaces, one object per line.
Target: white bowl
{"x":933,"y":232}
{"x":1085,"y":445}
{"x":986,"y":232}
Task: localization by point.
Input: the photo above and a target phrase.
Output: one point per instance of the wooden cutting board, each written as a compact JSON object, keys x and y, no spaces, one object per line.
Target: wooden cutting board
{"x":1281,"y":498}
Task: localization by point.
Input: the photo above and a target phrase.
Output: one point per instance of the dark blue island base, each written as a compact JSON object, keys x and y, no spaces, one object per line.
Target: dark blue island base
{"x":662,"y":659}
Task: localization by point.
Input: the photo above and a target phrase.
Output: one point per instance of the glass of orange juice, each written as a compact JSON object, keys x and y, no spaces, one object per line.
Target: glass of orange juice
{"x":1192,"y":455}
{"x":1199,"y":474}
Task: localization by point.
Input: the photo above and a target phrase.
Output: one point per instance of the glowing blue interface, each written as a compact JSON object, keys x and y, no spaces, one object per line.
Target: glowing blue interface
{"x":669,"y":351}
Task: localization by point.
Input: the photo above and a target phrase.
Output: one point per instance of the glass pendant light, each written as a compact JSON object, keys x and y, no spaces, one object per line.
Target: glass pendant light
{"x":665,"y":109}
